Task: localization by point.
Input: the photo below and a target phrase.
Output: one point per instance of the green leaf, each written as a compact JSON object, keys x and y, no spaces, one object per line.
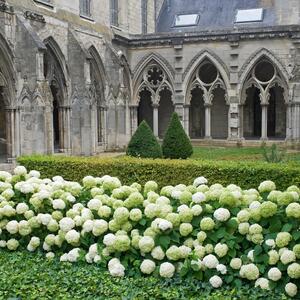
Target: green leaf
{"x":287,"y":228}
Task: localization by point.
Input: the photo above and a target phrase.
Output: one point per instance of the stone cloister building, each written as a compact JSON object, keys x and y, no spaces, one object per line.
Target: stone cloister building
{"x":77,"y":77}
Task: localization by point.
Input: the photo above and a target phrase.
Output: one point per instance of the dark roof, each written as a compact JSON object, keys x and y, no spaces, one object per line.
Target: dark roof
{"x":214,"y":14}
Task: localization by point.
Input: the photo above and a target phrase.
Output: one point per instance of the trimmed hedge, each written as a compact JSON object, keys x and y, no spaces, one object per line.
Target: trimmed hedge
{"x":165,"y":172}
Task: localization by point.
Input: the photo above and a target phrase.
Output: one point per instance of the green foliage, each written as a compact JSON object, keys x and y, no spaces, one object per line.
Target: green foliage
{"x":164,"y":171}
{"x":143,"y":143}
{"x":176,"y":143}
{"x":31,"y":276}
{"x":274,"y":154}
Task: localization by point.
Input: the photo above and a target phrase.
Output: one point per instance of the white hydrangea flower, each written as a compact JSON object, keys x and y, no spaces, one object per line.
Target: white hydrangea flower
{"x":64,"y":258}
{"x":287,"y":256}
{"x":116,"y":269}
{"x":72,"y":236}
{"x":109,"y":239}
{"x":255,"y":205}
{"x":216,"y":281}
{"x":198,"y":197}
{"x":66,"y":224}
{"x":20,"y":170}
{"x":222,"y":214}
{"x":263,"y":283}
{"x":158,"y":253}
{"x":236,"y":263}
{"x":166,"y":270}
{"x":73,"y":255}
{"x":164,"y":225}
{"x":270,"y":243}
{"x":12,"y":227}
{"x":274,"y":274}
{"x":222,"y":269}
{"x":88,"y":225}
{"x":21,"y":208}
{"x":94,"y":204}
{"x":50,"y":255}
{"x":250,"y":255}
{"x":34,"y":173}
{"x":210,"y":261}
{"x":59,"y":204}
{"x":176,"y":194}
{"x":147,"y":266}
{"x":200,"y":181}
{"x":291,"y":289}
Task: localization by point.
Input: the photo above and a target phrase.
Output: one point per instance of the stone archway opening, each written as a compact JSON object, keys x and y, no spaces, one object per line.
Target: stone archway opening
{"x":165,"y":110}
{"x":219,"y":115}
{"x":3,"y":129}
{"x":276,"y":114}
{"x":56,"y":119}
{"x":252,"y":114}
{"x":145,"y":108}
{"x":54,"y":74}
{"x":264,"y":111}
{"x":197,"y":114}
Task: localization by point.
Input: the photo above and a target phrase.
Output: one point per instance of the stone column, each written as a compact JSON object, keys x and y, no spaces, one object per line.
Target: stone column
{"x":264,"y":122}
{"x":207,"y":120}
{"x":133,"y":118}
{"x":127,"y":116}
{"x":9,"y":116}
{"x":289,"y":133}
{"x":49,"y":134}
{"x":296,"y":122}
{"x":186,"y":119}
{"x":155,"y":119}
{"x":94,"y":128}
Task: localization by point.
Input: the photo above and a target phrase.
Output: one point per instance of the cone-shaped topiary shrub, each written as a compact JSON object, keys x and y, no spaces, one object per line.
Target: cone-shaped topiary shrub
{"x":143,"y":143}
{"x":176,"y":143}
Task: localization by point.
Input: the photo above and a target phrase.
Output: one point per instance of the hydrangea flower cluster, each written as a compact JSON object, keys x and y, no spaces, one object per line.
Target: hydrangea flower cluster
{"x":218,"y":233}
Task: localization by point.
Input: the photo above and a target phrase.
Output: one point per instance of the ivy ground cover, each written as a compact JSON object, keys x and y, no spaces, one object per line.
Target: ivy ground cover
{"x":219,"y":236}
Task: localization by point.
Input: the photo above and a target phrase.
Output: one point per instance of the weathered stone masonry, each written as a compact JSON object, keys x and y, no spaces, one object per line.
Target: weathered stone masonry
{"x":73,"y":84}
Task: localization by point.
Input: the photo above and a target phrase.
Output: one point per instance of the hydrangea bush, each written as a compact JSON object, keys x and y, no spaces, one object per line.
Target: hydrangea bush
{"x":216,"y":234}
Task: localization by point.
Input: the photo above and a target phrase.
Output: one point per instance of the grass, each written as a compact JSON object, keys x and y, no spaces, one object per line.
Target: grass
{"x":29,"y":276}
{"x":236,"y":154}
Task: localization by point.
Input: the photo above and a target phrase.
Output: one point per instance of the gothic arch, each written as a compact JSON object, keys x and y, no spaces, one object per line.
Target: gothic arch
{"x":7,"y":72}
{"x":62,"y":76}
{"x":251,"y":62}
{"x":100,"y":74}
{"x":139,"y":75}
{"x":192,"y":67}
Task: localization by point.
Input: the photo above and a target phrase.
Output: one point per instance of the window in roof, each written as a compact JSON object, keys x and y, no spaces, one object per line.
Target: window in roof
{"x":186,"y":20}
{"x":249,"y":15}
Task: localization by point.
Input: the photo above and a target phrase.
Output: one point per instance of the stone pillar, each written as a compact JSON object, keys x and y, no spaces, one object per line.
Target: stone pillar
{"x":155,"y":119}
{"x":207,"y":120}
{"x":289,"y":118}
{"x":94,"y":128}
{"x":49,"y":134}
{"x":186,"y":119}
{"x":9,"y":114}
{"x":17,"y":132}
{"x":264,"y":122}
{"x":133,"y":118}
{"x":296,"y":122}
{"x":127,"y":116}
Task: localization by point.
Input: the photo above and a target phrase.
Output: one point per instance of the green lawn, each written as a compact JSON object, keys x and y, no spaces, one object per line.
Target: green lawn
{"x":30,"y":276}
{"x":237,"y":154}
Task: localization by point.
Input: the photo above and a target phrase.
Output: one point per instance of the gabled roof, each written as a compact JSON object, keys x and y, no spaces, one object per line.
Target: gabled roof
{"x":214,"y":14}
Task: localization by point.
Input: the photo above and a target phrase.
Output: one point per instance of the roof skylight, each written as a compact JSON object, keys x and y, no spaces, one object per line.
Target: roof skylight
{"x":249,"y":15}
{"x":186,"y":20}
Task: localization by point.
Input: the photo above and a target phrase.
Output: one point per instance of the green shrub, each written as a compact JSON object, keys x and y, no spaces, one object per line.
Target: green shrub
{"x":31,"y":276}
{"x":143,"y":143}
{"x":176,"y":143}
{"x":273,"y":155}
{"x":164,"y":171}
